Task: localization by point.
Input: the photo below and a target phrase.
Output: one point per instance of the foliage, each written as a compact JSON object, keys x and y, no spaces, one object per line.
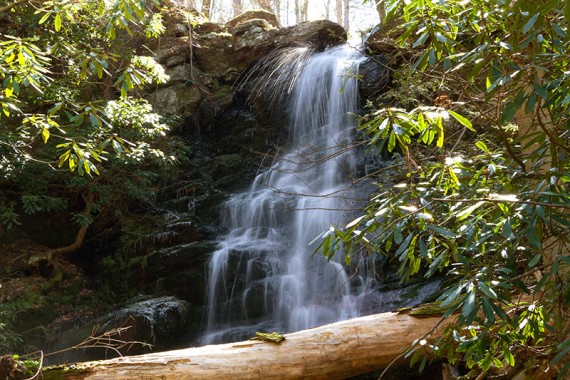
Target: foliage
{"x":72,"y":73}
{"x":490,"y":214}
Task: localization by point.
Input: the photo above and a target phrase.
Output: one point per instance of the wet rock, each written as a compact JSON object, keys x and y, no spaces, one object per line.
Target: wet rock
{"x":178,"y":269}
{"x":375,"y":76}
{"x":215,"y":104}
{"x":394,"y":299}
{"x":160,"y":322}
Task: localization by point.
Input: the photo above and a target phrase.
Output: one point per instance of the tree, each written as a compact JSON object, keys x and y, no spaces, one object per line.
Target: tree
{"x":338,"y":11}
{"x":489,"y":211}
{"x":237,"y":7}
{"x":346,"y":20}
{"x":71,"y":117}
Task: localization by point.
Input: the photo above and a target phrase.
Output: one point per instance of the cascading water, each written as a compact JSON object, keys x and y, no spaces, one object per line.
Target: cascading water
{"x":264,"y":275}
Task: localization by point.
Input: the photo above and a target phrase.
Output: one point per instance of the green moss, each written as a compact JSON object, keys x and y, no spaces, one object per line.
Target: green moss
{"x":269,"y":337}
{"x":59,"y":372}
{"x":425,"y":310}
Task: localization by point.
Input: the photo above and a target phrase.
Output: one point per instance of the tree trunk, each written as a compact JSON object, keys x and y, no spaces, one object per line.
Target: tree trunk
{"x":346,"y":14}
{"x":207,"y":7}
{"x":334,"y":351}
{"x":305,"y":11}
{"x":381,"y":8}
{"x":264,"y":4}
{"x":338,"y":10}
{"x":236,"y":4}
{"x":89,"y":201}
{"x":277,"y":5}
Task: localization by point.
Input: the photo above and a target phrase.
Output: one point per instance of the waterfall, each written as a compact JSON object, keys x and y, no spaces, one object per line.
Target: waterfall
{"x":264,"y":275}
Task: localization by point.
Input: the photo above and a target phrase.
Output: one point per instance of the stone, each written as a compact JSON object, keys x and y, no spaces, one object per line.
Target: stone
{"x":215,"y":55}
{"x":209,"y":27}
{"x":173,"y":46}
{"x":375,"y":76}
{"x":251,"y":34}
{"x":159,"y":322}
{"x":378,"y":40}
{"x":176,"y":100}
{"x":259,"y":14}
{"x":320,"y":34}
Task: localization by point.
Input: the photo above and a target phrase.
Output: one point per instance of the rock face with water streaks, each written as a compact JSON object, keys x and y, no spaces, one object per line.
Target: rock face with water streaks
{"x":213,"y":56}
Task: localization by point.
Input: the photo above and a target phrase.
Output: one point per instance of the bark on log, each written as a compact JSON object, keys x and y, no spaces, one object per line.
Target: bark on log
{"x":334,"y":351}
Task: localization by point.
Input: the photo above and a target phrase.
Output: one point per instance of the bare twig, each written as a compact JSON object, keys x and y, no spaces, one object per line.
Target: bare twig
{"x":40,"y":366}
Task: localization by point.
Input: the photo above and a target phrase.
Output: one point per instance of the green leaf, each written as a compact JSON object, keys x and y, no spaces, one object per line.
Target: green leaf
{"x":507,"y":229}
{"x":468,"y":211}
{"x":481,"y":145}
{"x":44,"y":18}
{"x":530,"y":23}
{"x":391,"y":141}
{"x":564,"y":348}
{"x":540,"y":90}
{"x":441,"y":230}
{"x":421,"y":40}
{"x":57,"y":22}
{"x":488,"y":310}
{"x":469,"y":304}
{"x":534,"y":260}
{"x":45,"y":135}
{"x":462,"y":120}
{"x":487,"y":290}
{"x":451,"y":296}
{"x":440,"y":37}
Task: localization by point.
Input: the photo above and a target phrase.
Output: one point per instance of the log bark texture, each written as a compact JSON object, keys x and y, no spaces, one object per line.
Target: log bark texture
{"x":334,"y":351}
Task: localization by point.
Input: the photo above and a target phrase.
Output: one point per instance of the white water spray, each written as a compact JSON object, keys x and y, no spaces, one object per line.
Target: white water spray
{"x":264,"y":275}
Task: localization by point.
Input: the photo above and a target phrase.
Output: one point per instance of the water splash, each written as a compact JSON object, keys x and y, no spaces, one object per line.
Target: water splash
{"x":264,"y":276}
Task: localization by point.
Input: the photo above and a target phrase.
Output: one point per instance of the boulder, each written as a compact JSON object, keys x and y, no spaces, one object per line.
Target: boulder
{"x":173,"y":51}
{"x":160,"y":322}
{"x":251,"y":34}
{"x":227,"y":55}
{"x":378,"y":41}
{"x":375,"y":76}
{"x":215,"y":56}
{"x":209,"y":27}
{"x":320,"y":34}
{"x":259,"y":14}
{"x":176,"y":100}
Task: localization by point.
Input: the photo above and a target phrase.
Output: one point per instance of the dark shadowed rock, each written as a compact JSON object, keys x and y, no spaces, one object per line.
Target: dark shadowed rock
{"x":158,"y":322}
{"x":378,"y":40}
{"x":375,"y":76}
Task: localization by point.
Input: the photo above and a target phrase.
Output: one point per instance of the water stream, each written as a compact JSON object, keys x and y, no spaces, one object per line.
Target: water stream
{"x":264,"y":275}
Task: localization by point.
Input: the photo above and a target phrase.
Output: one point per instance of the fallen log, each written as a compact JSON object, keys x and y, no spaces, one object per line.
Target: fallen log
{"x":335,"y":351}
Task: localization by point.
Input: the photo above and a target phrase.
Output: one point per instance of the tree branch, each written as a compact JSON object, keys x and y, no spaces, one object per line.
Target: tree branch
{"x":89,"y":200}
{"x":8,"y":7}
{"x":491,"y":200}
